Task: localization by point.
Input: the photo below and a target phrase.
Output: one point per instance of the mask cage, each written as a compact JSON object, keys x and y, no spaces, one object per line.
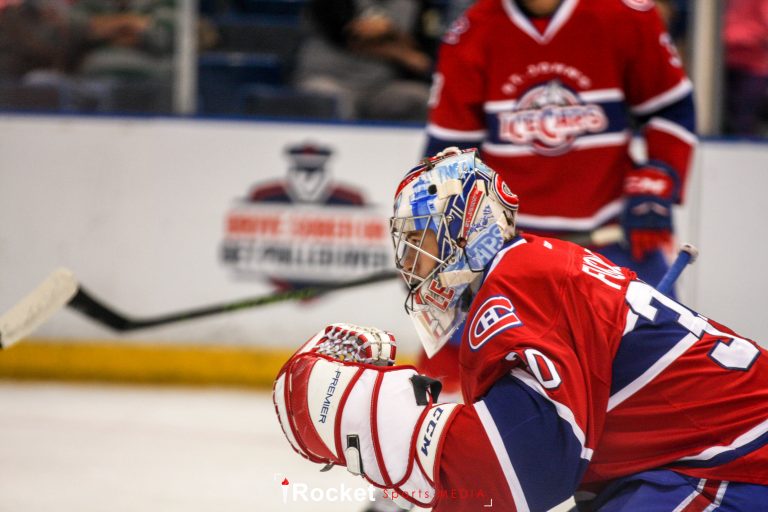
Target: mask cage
{"x":408,"y":237}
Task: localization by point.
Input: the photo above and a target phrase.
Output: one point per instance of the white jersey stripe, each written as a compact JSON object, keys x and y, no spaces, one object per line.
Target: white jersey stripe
{"x":596,"y":96}
{"x":502,"y":456}
{"x":740,"y":441}
{"x":674,"y":129}
{"x":719,"y":497}
{"x":688,"y":499}
{"x":450,"y":134}
{"x":652,"y":372}
{"x":603,"y":139}
{"x":555,"y":223}
{"x":563,"y":411}
{"x":602,"y":95}
{"x":664,"y":99}
{"x":583,"y":142}
{"x":494,"y":107}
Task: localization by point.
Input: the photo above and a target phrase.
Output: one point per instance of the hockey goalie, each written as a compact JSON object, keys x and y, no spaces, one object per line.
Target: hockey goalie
{"x":577,"y":378}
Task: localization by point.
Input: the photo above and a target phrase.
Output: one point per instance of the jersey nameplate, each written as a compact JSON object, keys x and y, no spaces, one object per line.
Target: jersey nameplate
{"x":596,"y":267}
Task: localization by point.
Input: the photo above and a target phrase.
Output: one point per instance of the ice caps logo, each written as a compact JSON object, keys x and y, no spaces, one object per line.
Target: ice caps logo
{"x":549,"y":118}
{"x":495,"y":315}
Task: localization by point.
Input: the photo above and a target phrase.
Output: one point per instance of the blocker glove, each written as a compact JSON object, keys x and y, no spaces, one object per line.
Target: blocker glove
{"x":379,"y":421}
{"x":650,"y":191}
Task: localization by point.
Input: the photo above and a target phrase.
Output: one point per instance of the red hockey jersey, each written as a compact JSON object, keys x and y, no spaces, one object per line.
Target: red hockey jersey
{"x":579,"y":374}
{"x":552,"y":106}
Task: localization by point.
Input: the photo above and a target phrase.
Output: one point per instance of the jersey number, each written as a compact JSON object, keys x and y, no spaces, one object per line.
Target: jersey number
{"x":542,"y":368}
{"x":731,"y":352}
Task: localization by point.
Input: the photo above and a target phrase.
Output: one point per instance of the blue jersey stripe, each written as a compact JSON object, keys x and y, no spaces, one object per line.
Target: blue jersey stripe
{"x":681,"y":112}
{"x":542,"y":447}
{"x":661,"y":489}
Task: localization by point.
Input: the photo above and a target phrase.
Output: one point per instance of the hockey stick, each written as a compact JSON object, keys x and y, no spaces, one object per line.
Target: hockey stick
{"x":688,"y":254}
{"x":601,"y":236}
{"x":90,"y":306}
{"x":62,"y":288}
{"x":37,"y":307}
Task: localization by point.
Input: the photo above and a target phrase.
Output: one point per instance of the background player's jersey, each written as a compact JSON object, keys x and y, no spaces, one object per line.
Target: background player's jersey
{"x":581,"y":373}
{"x":572,"y":88}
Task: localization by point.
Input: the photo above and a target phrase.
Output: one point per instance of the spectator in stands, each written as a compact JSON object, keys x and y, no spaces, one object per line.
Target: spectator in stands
{"x":35,"y":35}
{"x":83,"y":48}
{"x":126,"y":39}
{"x":365,"y":55}
{"x":745,"y":36}
{"x":90,"y":38}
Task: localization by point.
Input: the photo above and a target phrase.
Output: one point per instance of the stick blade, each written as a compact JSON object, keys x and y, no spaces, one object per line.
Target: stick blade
{"x":37,"y":307}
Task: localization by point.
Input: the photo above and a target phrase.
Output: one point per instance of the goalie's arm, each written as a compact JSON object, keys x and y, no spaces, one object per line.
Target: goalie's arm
{"x":513,"y":447}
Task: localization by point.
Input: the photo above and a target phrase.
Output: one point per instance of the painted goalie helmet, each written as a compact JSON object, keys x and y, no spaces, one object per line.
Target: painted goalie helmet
{"x":452,"y":216}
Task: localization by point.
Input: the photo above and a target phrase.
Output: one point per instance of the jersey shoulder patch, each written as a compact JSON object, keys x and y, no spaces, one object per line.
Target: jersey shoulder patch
{"x":495,"y":315}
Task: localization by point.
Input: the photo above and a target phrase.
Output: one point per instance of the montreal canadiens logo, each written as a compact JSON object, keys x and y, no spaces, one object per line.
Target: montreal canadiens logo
{"x":549,"y":118}
{"x":495,"y":315}
{"x":506,"y":196}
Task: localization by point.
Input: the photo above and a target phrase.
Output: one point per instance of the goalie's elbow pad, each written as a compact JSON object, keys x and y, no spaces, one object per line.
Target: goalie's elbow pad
{"x":380,"y":422}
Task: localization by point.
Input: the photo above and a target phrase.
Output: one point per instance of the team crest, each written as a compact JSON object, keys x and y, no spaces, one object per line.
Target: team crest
{"x":495,"y":315}
{"x":549,"y":118}
{"x":508,"y":198}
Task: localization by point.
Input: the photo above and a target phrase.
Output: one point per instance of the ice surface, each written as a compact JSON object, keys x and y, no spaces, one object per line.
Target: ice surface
{"x":111,"y":449}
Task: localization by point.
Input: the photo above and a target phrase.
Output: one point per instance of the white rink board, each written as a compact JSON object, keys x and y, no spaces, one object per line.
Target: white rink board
{"x":136,"y":208}
{"x":70,"y":448}
{"x":727,"y":223}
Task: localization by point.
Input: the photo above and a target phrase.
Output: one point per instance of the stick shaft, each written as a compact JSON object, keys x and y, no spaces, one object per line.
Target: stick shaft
{"x":686,"y":255}
{"x":604,"y":235}
{"x":90,"y":306}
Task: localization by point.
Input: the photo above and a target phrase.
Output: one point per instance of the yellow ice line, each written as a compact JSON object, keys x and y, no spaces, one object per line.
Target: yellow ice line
{"x":156,"y":363}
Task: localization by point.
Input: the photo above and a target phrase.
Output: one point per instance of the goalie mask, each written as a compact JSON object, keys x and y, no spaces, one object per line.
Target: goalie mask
{"x":452,"y":216}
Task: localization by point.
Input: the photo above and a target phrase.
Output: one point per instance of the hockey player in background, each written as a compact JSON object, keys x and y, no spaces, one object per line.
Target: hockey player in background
{"x":551,"y":92}
{"x":578,"y":378}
